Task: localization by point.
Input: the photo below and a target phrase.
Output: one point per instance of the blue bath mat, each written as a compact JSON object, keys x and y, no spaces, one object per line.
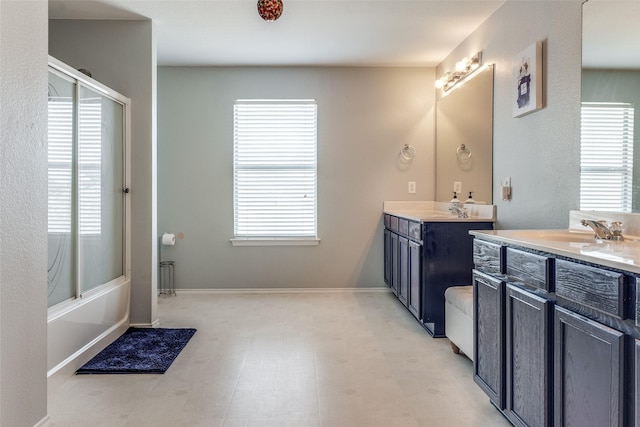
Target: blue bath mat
{"x":140,"y":351}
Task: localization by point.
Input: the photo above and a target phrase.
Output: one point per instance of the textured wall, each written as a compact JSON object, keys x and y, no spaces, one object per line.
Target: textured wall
{"x":365,"y":116}
{"x":121,"y":55}
{"x":23,"y":212}
{"x":540,"y":151}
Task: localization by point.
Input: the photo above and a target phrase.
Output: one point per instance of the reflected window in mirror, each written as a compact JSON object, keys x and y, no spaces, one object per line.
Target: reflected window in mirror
{"x":611,"y":74}
{"x":606,"y":159}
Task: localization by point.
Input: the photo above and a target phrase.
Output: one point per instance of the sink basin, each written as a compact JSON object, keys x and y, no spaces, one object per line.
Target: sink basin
{"x":555,"y":235}
{"x":567,"y":236}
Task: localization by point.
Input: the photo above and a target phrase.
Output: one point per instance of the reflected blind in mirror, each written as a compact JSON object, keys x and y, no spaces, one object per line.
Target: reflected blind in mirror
{"x":606,"y":156}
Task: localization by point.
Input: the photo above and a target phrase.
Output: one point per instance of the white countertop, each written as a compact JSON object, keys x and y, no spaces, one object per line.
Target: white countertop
{"x":580,"y":245}
{"x":429,"y":211}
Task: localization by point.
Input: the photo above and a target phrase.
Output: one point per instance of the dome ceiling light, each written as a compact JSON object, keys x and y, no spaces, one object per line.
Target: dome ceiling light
{"x":270,"y":10}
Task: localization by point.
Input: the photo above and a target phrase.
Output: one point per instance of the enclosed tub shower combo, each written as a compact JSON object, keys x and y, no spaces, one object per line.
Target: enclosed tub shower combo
{"x":88,"y":224}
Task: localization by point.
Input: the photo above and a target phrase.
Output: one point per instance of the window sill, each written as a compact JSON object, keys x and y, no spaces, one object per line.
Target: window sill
{"x":275,"y":241}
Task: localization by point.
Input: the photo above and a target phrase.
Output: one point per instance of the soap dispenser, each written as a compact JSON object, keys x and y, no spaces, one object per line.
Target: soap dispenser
{"x":455,"y":202}
{"x":470,"y":200}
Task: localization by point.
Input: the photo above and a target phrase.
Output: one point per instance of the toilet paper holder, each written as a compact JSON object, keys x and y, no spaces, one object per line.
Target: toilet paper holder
{"x":166,"y":273}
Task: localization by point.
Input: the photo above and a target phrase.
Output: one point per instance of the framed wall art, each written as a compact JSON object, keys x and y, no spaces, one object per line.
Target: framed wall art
{"x":527,"y":80}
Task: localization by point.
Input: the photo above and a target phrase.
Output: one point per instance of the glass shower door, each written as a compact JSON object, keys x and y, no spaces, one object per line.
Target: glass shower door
{"x":100,"y":189}
{"x":61,"y":222}
{"x":86,"y":180}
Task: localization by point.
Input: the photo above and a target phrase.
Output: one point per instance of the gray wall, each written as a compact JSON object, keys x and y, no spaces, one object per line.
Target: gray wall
{"x":121,"y":55}
{"x":365,"y":116}
{"x":23,"y":212}
{"x":540,"y":151}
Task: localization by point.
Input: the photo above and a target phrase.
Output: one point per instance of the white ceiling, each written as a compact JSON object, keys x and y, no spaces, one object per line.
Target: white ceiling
{"x":343,"y":32}
{"x":309,"y":32}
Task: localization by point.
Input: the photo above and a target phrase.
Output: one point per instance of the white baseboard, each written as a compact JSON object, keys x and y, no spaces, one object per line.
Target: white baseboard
{"x":45,"y":422}
{"x":145,"y":325}
{"x":281,"y":291}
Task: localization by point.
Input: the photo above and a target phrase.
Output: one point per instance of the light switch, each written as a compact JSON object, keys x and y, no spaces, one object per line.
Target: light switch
{"x":506,"y":189}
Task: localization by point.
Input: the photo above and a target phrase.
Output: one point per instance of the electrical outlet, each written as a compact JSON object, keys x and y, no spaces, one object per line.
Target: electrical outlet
{"x":412,"y":187}
{"x":457,"y":187}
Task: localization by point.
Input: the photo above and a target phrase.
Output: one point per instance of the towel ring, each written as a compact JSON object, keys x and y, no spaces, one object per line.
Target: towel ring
{"x":408,"y":152}
{"x":463,"y":153}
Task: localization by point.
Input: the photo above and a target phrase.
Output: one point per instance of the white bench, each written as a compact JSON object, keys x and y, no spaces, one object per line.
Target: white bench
{"x":458,"y":314}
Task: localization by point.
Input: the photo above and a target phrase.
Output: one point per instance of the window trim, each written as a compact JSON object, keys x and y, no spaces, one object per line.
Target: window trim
{"x":275,"y":241}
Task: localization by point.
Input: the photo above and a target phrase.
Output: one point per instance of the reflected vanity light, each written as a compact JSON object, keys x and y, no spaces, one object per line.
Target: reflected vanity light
{"x":463,"y":69}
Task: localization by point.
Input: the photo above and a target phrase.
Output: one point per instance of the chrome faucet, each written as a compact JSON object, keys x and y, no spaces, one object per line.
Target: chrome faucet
{"x":604,"y":232}
{"x":459,"y":210}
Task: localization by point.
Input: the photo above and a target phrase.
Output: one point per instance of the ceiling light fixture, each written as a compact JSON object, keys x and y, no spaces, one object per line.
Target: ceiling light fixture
{"x":270,"y":10}
{"x":463,"y":69}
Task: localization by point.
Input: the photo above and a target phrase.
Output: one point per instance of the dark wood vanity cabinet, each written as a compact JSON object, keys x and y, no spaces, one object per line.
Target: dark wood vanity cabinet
{"x":636,"y":352}
{"x":415,"y":255}
{"x":527,"y":369}
{"x":555,"y":340}
{"x":402,"y":263}
{"x":488,"y":345}
{"x":589,"y":372}
{"x":423,"y":259}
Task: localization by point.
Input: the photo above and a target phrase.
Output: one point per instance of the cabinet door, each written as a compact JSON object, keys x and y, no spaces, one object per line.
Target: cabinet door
{"x":388,"y":269}
{"x":395,"y":262}
{"x":415,"y":257}
{"x":403,"y":286}
{"x":488,"y":336}
{"x":637,"y":382}
{"x":528,"y":362}
{"x":589,"y":372}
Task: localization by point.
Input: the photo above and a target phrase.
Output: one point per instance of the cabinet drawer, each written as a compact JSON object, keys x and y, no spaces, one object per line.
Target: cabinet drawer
{"x":393,"y":223}
{"x":387,"y":218}
{"x":403,"y":226}
{"x":487,"y":256}
{"x":528,"y":268}
{"x":415,"y":230}
{"x":590,"y":286}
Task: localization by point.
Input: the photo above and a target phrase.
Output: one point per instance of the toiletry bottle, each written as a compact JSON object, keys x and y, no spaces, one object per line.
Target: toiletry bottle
{"x":470,"y":199}
{"x":455,"y":202}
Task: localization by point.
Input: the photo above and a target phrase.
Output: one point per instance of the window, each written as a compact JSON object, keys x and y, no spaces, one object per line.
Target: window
{"x":606,"y":158}
{"x":90,"y":145}
{"x":60,"y":157}
{"x":275,"y":171}
{"x":60,"y":134}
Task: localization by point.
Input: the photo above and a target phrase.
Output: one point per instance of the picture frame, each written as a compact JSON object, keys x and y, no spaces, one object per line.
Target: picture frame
{"x":527,"y":80}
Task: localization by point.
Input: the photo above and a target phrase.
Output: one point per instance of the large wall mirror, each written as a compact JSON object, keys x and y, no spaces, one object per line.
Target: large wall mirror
{"x":464,"y":139}
{"x":610,"y":130}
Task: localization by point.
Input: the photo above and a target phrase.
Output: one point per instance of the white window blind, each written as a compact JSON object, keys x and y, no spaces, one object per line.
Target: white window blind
{"x":90,"y":165}
{"x":275,"y":168}
{"x":60,"y":161}
{"x":60,"y":146}
{"x":606,"y":156}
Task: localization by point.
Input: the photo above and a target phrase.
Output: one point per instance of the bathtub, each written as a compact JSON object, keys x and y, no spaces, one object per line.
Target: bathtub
{"x":79,"y":329}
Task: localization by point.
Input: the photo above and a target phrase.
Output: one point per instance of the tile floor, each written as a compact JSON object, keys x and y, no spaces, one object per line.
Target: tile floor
{"x":328,"y":359}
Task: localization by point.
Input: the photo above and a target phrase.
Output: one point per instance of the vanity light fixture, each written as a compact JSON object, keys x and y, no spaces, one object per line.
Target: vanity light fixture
{"x":463,"y":68}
